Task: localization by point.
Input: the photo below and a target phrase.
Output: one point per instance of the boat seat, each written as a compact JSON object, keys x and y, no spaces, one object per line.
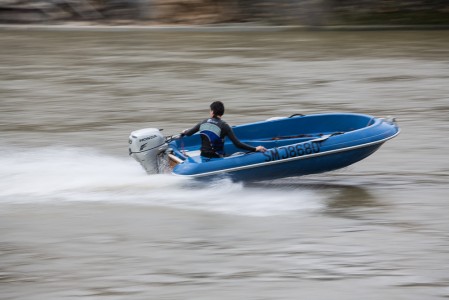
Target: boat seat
{"x":197,"y":153}
{"x":239,"y":153}
{"x":192,"y":153}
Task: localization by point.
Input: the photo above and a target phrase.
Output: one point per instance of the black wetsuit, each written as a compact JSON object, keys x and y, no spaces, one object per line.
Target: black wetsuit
{"x":213,"y":131}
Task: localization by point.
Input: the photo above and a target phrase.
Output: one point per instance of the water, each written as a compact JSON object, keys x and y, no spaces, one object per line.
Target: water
{"x":80,"y":219}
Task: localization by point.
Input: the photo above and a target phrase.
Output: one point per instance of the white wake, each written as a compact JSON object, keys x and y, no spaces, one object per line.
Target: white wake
{"x":56,"y":175}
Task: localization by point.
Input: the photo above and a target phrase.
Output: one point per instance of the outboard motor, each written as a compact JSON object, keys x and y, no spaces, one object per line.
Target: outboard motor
{"x":147,"y":146}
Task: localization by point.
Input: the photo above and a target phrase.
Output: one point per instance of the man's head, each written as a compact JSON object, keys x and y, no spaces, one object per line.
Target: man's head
{"x":217,"y":108}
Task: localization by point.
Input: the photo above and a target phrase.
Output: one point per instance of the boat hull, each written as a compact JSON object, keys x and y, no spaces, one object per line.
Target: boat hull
{"x":304,"y":165}
{"x":295,"y":155}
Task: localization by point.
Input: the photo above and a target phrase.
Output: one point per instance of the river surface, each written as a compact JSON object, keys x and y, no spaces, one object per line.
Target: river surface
{"x":79,"y":219}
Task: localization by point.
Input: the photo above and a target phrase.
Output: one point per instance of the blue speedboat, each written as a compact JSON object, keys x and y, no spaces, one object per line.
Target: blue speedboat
{"x":297,"y":145}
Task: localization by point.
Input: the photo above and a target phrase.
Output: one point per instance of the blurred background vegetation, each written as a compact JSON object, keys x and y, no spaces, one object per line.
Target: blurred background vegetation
{"x":274,"y":12}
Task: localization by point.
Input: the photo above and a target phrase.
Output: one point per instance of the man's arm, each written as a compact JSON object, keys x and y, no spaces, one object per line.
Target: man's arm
{"x":230,"y":133}
{"x":192,"y":130}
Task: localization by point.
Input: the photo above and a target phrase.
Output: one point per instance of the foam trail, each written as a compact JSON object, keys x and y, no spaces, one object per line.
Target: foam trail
{"x":46,"y":171}
{"x":83,"y":175}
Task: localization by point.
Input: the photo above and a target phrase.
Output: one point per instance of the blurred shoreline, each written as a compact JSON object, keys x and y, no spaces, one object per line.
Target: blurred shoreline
{"x":89,"y":26}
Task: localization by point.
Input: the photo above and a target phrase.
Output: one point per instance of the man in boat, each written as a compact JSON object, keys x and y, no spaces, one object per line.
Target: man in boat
{"x":214,"y":130}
